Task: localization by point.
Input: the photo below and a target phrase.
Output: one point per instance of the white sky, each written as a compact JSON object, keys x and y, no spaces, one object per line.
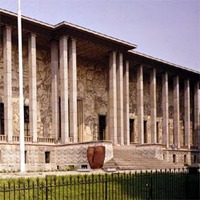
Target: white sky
{"x":166,"y":29}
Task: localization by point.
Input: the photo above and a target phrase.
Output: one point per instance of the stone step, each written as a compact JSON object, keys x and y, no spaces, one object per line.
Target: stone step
{"x":129,"y":158}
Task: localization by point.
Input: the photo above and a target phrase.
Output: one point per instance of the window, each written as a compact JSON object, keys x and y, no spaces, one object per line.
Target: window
{"x":26,"y":120}
{"x":1,"y":119}
{"x":47,"y":156}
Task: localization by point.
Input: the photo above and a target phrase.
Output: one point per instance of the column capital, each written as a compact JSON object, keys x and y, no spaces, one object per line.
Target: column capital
{"x":31,"y":34}
{"x":7,"y":27}
{"x":63,"y":36}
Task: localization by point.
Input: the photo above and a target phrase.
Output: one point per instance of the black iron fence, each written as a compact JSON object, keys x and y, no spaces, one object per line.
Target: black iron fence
{"x":167,"y":184}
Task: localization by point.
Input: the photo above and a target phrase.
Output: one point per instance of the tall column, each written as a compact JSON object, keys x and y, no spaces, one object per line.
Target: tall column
{"x":176,"y":114}
{"x":126,"y":104}
{"x":165,"y":109}
{"x":54,"y":89}
{"x":64,"y":89}
{"x":120,"y":104}
{"x":187,"y":112}
{"x":196,"y":115}
{"x":112,"y":98}
{"x":140,"y":104}
{"x":32,"y":85}
{"x":153,"y":105}
{"x":73,"y":90}
{"x":7,"y":64}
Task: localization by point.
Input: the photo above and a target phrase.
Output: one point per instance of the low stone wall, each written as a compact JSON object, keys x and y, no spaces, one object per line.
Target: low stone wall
{"x":151,"y":151}
{"x":76,"y":154}
{"x":48,"y":157}
{"x":178,"y":156}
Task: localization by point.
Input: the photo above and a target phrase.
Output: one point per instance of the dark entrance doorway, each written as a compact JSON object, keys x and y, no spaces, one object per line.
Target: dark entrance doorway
{"x":132,"y":127}
{"x":145,"y":132}
{"x":102,"y":127}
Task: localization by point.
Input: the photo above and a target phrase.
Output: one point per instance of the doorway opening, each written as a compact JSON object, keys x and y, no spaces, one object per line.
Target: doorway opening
{"x":102,"y":127}
{"x":132,"y":127}
{"x":145,"y":132}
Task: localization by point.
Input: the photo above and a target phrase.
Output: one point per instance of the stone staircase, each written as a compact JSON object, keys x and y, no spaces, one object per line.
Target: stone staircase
{"x":129,"y":158}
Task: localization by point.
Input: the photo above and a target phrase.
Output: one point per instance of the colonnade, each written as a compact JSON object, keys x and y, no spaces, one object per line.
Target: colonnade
{"x":118,"y":107}
{"x":68,"y":88}
{"x":119,"y":131}
{"x":64,"y":68}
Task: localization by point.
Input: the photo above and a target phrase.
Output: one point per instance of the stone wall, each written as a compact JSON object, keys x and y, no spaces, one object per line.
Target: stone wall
{"x":60,"y":156}
{"x":92,"y":89}
{"x":43,"y":88}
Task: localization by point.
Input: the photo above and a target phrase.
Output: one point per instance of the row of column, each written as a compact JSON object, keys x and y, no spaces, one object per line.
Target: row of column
{"x":68,"y":88}
{"x":7,"y":65}
{"x":63,"y":54}
{"x":165,"y":109}
{"x":67,"y":60}
{"x":118,"y":107}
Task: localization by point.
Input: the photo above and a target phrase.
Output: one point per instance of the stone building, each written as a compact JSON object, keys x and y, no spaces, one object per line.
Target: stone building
{"x":83,"y":88}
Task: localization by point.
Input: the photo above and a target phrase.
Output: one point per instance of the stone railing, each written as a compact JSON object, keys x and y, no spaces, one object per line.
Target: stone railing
{"x":16,"y":138}
{"x":3,"y":138}
{"x":46,"y":140}
{"x":27,"y":139}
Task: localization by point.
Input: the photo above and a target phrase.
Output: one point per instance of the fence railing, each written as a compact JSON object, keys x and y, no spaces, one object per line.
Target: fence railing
{"x":138,"y":185}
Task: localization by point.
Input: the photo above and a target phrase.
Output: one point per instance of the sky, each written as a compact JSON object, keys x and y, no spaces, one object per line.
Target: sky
{"x":165,"y":29}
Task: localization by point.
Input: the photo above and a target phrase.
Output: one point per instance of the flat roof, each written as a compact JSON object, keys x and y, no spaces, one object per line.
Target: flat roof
{"x":93,"y":35}
{"x":78,"y":28}
{"x":163,"y":61}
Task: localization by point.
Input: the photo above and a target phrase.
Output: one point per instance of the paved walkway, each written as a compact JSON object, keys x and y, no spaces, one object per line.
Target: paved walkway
{"x":43,"y":174}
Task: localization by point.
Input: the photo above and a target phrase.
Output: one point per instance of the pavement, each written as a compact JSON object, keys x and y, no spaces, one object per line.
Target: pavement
{"x":49,"y":173}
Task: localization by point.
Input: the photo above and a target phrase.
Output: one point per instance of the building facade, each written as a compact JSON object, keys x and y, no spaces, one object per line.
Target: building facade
{"x":83,"y":88}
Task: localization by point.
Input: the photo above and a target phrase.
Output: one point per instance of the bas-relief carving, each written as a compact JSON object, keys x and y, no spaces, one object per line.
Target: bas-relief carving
{"x":181,"y":100}
{"x":146,"y":95}
{"x":43,"y":89}
{"x":132,"y":93}
{"x":159,"y":96}
{"x":91,"y":86}
{"x":1,"y":71}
